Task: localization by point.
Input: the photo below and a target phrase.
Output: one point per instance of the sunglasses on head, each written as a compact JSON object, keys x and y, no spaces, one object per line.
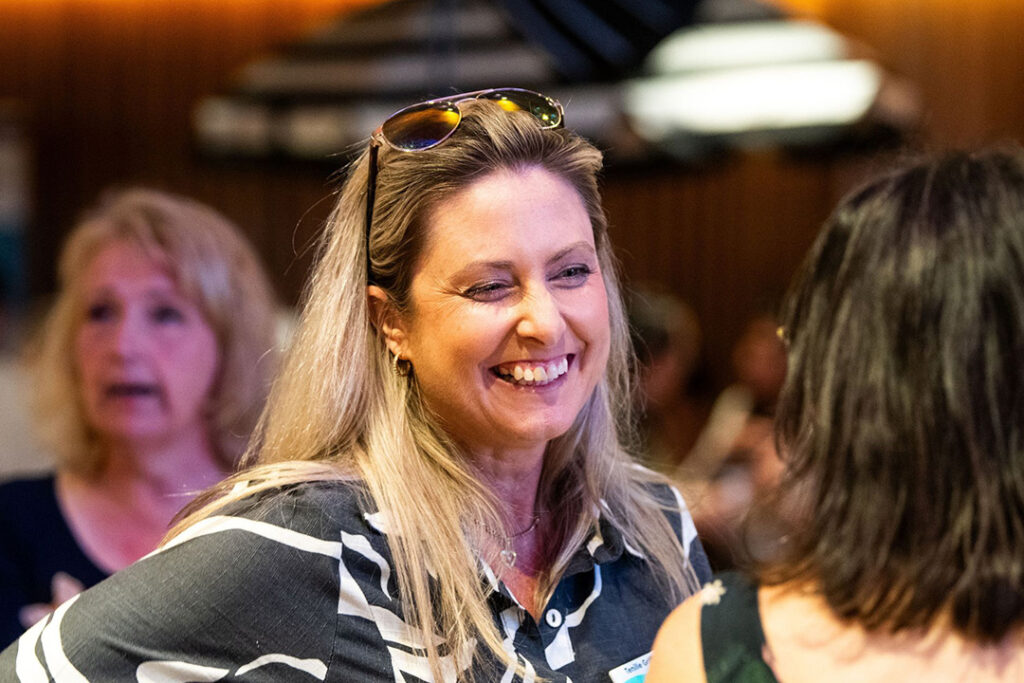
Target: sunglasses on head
{"x":428,"y":124}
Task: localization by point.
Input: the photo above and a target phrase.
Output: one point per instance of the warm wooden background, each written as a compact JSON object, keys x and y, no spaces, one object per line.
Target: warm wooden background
{"x":109,"y":86}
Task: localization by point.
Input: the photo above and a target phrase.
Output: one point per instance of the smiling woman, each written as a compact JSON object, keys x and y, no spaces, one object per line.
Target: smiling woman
{"x":150,"y":371}
{"x":440,"y":489}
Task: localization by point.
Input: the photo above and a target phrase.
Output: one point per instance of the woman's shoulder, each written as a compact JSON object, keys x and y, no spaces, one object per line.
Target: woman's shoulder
{"x":31,"y":521}
{"x":27,"y":496}
{"x":319,"y":508}
{"x":715,"y":634}
{"x":729,"y":599}
{"x":730,"y":608}
{"x":657,"y":487}
{"x":263,"y":574}
{"x":667,"y":495}
{"x":732,"y":635}
{"x":27,"y":486}
{"x":676,"y":655}
{"x":672,"y":502}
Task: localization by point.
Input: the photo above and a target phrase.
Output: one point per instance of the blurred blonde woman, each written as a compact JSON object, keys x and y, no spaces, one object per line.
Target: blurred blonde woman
{"x":439,"y":490}
{"x":149,"y":374}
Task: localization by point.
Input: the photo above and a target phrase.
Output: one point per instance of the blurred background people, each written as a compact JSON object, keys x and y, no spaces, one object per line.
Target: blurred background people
{"x":734,"y":466}
{"x":902,"y":421}
{"x":148,"y":375}
{"x":729,"y":507}
{"x":722,"y":452}
{"x":667,"y":341}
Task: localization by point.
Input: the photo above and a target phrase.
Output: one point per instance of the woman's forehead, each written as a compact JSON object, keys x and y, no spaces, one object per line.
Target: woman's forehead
{"x":529,"y":212}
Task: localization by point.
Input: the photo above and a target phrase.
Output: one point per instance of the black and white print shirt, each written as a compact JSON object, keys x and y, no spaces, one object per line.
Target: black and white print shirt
{"x":299,"y":586}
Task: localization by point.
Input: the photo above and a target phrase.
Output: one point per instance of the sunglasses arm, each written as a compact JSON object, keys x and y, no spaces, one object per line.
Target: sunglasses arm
{"x":371,"y":194}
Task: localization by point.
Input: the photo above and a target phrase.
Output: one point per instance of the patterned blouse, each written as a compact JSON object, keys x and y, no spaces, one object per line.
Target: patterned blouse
{"x":298,"y":586}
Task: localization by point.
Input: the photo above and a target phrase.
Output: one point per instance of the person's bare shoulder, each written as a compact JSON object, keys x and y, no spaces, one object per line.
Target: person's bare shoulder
{"x":677,"y":654}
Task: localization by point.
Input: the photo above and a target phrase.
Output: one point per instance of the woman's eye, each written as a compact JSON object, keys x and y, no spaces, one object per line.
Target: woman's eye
{"x":575,"y":275}
{"x":488,"y":291}
{"x":99,"y":312}
{"x":167,"y":314}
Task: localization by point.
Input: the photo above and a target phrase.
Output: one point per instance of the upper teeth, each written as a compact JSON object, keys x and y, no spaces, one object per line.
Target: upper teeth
{"x":536,"y":374}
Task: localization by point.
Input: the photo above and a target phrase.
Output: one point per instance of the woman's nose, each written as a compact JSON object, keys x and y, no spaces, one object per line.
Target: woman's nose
{"x":125,"y":336}
{"x":540,"y":317}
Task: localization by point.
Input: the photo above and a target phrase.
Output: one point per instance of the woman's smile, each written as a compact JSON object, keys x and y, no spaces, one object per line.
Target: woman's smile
{"x":533,"y":373}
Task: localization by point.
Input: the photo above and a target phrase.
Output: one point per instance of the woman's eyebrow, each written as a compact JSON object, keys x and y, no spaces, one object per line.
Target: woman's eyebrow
{"x":510,"y":265}
{"x":483,"y":264}
{"x":581,"y":245}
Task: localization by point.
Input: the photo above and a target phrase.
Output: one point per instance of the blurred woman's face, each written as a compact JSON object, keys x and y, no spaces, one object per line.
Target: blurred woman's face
{"x":145,"y":356}
{"x":508,"y":330}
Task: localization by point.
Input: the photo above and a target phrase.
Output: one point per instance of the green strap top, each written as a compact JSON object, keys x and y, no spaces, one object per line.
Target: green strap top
{"x":731,"y":635}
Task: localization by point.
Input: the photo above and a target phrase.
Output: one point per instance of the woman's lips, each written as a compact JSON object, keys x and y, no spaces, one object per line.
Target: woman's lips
{"x":132,"y":390}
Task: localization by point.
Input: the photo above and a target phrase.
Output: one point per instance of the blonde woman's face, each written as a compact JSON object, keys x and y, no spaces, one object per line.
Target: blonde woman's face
{"x":508,"y":331}
{"x":145,"y":356}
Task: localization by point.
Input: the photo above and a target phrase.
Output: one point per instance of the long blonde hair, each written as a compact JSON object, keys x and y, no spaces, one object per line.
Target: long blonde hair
{"x":213,"y":265}
{"x":339,"y":407}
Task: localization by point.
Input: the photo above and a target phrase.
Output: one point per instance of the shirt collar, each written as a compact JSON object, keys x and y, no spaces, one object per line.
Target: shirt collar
{"x":606,"y":544}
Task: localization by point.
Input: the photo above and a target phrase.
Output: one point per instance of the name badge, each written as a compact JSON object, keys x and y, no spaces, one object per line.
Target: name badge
{"x":634,"y":671}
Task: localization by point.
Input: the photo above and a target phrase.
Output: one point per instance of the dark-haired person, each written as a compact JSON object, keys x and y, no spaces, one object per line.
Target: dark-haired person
{"x":440,"y":491}
{"x":902,"y":424}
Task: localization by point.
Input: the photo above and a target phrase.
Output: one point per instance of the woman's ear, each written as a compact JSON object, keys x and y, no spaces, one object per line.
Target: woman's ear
{"x":386,"y":319}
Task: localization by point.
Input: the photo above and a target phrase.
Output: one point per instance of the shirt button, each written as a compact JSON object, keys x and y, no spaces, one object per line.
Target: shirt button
{"x":554,"y":618}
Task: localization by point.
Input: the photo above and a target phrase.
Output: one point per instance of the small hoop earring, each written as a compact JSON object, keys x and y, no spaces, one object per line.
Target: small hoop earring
{"x":396,"y":368}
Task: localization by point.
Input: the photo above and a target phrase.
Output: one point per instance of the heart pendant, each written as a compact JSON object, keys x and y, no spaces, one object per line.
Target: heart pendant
{"x":508,"y":556}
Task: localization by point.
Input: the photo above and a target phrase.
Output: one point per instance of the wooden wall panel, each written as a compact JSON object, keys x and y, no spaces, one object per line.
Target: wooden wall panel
{"x":110,"y":85}
{"x":966,"y":58}
{"x":726,"y":237}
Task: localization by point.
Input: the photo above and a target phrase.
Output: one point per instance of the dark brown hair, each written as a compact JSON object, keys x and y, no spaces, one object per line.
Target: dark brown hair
{"x":902,"y":418}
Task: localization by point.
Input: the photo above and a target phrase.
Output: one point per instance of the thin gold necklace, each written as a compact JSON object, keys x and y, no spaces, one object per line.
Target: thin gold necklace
{"x":508,"y":555}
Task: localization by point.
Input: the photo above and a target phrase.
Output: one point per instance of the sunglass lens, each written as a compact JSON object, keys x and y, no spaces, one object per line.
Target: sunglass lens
{"x":542,"y":108}
{"x":421,"y":126}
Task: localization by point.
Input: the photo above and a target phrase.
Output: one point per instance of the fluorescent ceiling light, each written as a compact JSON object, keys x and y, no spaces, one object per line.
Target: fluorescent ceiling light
{"x":222,"y":123}
{"x":756,"y":98}
{"x":745,"y":44}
